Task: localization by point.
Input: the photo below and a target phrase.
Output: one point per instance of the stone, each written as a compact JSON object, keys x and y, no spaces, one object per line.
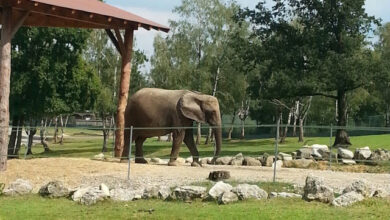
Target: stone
{"x":206,"y":160}
{"x":300,"y":163}
{"x":344,"y":153}
{"x":360,"y":186}
{"x":284,"y":195}
{"x":269,"y":161}
{"x":180,"y":160}
{"x":294,"y":155}
{"x":278,"y":163}
{"x":126,"y":195}
{"x":99,"y":157}
{"x":227,"y":197}
{"x":316,"y":154}
{"x":186,"y":193}
{"x":164,"y":192}
{"x":223,"y":161}
{"x":218,"y":189}
{"x":219,"y":175}
{"x":320,"y":151}
{"x":55,"y":189}
{"x":156,"y":160}
{"x":348,"y":162}
{"x":76,"y":196}
{"x":304,"y":153}
{"x":246,"y":191}
{"x":285,"y":156}
{"x":151,"y":192}
{"x":381,"y":193}
{"x":91,"y":195}
{"x":316,"y":190}
{"x":105,"y":190}
{"x":362,"y":153}
{"x":347,"y":199}
{"x":325,"y":153}
{"x":18,"y":187}
{"x":237,"y":160}
{"x":189,"y":160}
{"x":250,"y":161}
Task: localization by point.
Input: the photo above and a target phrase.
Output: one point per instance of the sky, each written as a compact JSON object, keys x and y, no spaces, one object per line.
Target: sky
{"x":160,"y":11}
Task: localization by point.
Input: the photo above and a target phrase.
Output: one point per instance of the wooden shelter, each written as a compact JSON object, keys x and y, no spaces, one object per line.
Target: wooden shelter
{"x":67,"y":14}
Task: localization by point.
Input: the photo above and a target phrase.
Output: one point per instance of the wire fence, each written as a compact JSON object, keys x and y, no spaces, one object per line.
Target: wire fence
{"x":257,"y":141}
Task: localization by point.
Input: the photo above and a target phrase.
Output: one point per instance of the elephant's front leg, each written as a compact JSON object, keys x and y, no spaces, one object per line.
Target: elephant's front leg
{"x":139,"y":153}
{"x":189,"y":141}
{"x":178,"y":137}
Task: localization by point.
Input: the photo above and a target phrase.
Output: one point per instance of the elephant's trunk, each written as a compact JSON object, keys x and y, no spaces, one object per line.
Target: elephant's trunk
{"x":218,"y":141}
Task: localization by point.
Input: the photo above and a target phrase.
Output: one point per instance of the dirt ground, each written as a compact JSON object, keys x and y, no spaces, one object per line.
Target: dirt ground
{"x":76,"y":172}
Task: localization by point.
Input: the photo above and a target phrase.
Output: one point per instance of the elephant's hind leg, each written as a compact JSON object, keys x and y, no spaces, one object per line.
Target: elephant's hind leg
{"x":189,"y":141}
{"x":139,"y":153}
{"x":178,"y":137}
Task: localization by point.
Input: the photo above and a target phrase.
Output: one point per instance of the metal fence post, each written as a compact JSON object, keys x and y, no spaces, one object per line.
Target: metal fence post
{"x":331,"y":146}
{"x":276,"y":147}
{"x":131,"y":143}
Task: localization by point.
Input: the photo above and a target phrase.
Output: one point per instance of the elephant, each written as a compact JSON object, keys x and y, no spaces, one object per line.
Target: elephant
{"x":171,"y":110}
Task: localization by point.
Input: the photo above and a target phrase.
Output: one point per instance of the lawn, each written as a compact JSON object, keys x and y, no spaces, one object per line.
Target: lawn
{"x":35,"y":207}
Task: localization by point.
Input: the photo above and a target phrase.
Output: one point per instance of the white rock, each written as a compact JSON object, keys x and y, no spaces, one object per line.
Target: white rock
{"x":284,"y":195}
{"x":105,"y":190}
{"x":348,"y":162}
{"x":362,"y":153}
{"x":151,"y":192}
{"x":126,"y":194}
{"x":348,"y":199}
{"x":189,"y":160}
{"x":316,"y":190}
{"x":54,"y":189}
{"x":189,"y":192}
{"x":218,"y":189}
{"x":285,"y":156}
{"x":99,"y":156}
{"x":181,"y":160}
{"x":360,"y":186}
{"x":345,"y":154}
{"x":227,"y":197}
{"x":164,"y":192}
{"x":18,"y":187}
{"x":79,"y":193}
{"x":223,"y":160}
{"x":250,"y":161}
{"x":246,"y":191}
{"x":279,"y":164}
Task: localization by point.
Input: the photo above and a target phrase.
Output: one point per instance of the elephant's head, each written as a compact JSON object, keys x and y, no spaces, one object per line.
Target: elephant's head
{"x":204,"y":109}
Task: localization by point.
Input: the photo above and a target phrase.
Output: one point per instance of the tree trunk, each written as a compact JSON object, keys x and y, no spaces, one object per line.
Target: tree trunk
{"x":284,"y":136}
{"x":232,"y":126}
{"x":242,"y":129}
{"x":31,"y":132}
{"x":210,"y":135}
{"x":5,"y":76}
{"x":55,"y":136}
{"x":301,"y":131}
{"x":12,"y":139}
{"x":296,"y":113}
{"x":105,"y":135}
{"x":387,"y":115}
{"x":66,"y":121}
{"x":42,"y":134}
{"x":342,"y":138}
{"x":169,"y":139}
{"x":19,"y":138}
{"x":199,"y":134}
{"x":159,"y":138}
{"x":126,"y":52}
{"x":62,"y":130}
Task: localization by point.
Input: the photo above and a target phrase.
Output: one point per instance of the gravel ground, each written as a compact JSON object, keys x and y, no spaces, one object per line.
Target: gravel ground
{"x":78,"y":172}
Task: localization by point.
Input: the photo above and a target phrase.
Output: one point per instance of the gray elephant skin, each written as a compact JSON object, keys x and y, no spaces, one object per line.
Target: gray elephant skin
{"x":159,"y":108}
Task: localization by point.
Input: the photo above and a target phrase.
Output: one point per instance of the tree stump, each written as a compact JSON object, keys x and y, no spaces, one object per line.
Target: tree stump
{"x":219,"y":175}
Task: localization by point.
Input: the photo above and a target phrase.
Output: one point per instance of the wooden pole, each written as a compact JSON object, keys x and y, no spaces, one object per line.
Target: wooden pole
{"x":124,"y":90}
{"x":5,"y":74}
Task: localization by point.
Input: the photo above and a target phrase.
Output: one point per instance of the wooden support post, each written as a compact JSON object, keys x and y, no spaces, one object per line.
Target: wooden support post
{"x":126,"y":47}
{"x":5,"y":74}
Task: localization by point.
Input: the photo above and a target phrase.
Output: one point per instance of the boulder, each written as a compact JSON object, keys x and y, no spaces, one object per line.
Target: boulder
{"x":227,"y":197}
{"x":362,"y":153}
{"x":157,"y":160}
{"x":18,"y":187}
{"x":284,"y":156}
{"x":269,"y":161}
{"x":99,"y":157}
{"x":348,"y":199}
{"x":206,"y":160}
{"x":381,"y":193}
{"x":246,"y":191}
{"x":320,"y":151}
{"x":180,"y":160}
{"x":218,"y":189}
{"x":55,"y":189}
{"x":348,"y":162}
{"x":294,"y":155}
{"x":151,"y":192}
{"x":91,"y":195}
{"x":278,"y":163}
{"x":186,"y":193}
{"x":126,"y":195}
{"x":300,"y":163}
{"x":325,"y":153}
{"x":189,"y":160}
{"x":380,"y":155}
{"x":304,"y":153}
{"x":263,"y":159}
{"x":250,"y":161}
{"x":316,"y":190}
{"x":219,"y":175}
{"x":223,"y":161}
{"x":344,"y":153}
{"x":360,"y":186}
{"x":284,"y":195}
{"x":237,"y":160}
{"x":164,"y":193}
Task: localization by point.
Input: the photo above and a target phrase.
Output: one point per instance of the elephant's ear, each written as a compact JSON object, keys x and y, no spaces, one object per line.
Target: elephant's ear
{"x":190,"y":106}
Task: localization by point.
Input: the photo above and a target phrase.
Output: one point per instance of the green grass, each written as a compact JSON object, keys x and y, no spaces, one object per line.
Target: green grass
{"x":34,"y":207}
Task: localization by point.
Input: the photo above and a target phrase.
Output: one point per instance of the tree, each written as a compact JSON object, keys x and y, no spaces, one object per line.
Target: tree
{"x":320,"y":53}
